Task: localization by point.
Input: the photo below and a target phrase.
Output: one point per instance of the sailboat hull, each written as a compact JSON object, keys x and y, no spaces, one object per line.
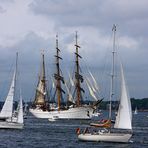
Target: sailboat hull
{"x":11,"y":125}
{"x":105,"y":137}
{"x":71,"y":113}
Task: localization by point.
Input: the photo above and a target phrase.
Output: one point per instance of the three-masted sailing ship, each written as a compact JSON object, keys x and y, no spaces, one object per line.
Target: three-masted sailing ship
{"x":77,"y":110}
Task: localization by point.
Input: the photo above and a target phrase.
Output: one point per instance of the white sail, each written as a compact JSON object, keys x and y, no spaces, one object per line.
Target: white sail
{"x":70,"y":98}
{"x":91,"y":85}
{"x":94,"y":81}
{"x":20,"y":112}
{"x":7,"y":109}
{"x":135,"y":112}
{"x":124,"y":116}
{"x":53,"y":85}
{"x":40,"y":87}
{"x":91,"y":91}
{"x":71,"y":81}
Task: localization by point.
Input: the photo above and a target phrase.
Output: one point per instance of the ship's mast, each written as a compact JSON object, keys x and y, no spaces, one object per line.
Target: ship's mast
{"x":43,"y":76}
{"x":78,"y":77}
{"x":16,"y":74}
{"x":41,"y":92}
{"x":113,"y":71}
{"x":57,"y":76}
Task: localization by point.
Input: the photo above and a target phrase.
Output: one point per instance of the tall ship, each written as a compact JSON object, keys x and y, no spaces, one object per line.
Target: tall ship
{"x":75,"y":107}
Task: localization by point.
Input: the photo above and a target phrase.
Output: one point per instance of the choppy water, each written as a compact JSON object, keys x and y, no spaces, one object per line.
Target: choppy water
{"x":40,"y":133}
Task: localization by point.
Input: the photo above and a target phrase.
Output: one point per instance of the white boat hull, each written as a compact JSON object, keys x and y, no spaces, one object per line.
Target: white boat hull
{"x":105,"y":137}
{"x":71,"y":113}
{"x":11,"y":125}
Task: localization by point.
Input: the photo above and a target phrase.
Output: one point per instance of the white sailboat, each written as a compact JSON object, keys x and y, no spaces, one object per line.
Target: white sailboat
{"x":135,"y":111}
{"x":123,"y":118}
{"x":7,"y":120}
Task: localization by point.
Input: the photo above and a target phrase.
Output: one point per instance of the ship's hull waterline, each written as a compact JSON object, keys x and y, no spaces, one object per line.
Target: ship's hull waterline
{"x":105,"y":137}
{"x":71,"y":113}
{"x":11,"y":125}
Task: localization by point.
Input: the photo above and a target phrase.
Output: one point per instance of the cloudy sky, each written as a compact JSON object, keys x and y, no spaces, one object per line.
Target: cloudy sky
{"x":27,"y":26}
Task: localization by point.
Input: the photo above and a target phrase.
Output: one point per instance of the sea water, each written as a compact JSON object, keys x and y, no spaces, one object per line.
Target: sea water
{"x":40,"y":133}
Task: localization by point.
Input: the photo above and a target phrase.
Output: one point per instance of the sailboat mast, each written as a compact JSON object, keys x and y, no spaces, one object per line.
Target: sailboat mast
{"x":57,"y":75}
{"x":15,"y":79}
{"x":113,"y":71}
{"x":77,"y":74}
{"x":43,"y":75}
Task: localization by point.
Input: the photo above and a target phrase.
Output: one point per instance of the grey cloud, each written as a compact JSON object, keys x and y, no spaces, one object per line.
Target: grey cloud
{"x":2,"y":10}
{"x":95,"y":13}
{"x":29,"y":49}
{"x":7,"y":1}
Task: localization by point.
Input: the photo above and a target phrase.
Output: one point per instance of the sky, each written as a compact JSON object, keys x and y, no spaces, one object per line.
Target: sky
{"x":30,"y":26}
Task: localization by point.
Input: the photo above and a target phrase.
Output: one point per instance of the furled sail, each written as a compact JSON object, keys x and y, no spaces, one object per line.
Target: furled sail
{"x":124,"y":115}
{"x":7,"y":109}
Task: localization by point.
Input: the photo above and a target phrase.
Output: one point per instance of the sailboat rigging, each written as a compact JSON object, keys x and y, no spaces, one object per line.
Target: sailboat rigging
{"x":124,"y":113}
{"x":58,"y":76}
{"x":7,"y":119}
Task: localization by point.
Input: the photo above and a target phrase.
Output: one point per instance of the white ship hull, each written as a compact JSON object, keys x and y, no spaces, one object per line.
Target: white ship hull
{"x":84,"y":112}
{"x":105,"y":137}
{"x":11,"y":125}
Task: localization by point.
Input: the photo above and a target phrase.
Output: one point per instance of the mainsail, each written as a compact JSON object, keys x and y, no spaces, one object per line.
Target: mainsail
{"x":41,"y":87}
{"x":7,"y":109}
{"x":124,"y":116}
{"x":20,"y":112}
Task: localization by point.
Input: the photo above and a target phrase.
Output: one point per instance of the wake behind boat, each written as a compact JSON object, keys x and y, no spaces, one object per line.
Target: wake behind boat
{"x":7,"y":119}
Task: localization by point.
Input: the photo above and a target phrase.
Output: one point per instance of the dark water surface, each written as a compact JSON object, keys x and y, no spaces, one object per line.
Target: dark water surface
{"x":40,"y":133}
